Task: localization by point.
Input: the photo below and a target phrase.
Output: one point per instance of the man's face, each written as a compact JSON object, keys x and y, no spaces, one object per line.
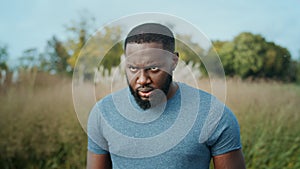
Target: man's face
{"x":148,"y":67}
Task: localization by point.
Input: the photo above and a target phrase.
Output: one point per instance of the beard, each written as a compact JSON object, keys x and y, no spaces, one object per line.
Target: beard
{"x":146,"y":104}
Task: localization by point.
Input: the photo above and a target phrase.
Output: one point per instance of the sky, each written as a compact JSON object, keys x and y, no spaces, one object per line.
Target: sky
{"x":30,"y":23}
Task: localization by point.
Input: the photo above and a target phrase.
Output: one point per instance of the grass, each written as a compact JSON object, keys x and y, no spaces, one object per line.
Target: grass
{"x":268,"y":114}
{"x":39,"y":128}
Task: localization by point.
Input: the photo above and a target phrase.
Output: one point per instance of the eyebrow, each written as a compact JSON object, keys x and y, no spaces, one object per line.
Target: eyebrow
{"x":156,"y":63}
{"x":147,"y":66}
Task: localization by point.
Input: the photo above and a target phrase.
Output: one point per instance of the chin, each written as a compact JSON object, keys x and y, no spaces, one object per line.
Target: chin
{"x":144,"y":98}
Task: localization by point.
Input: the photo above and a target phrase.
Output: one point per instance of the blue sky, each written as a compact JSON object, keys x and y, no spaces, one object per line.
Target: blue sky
{"x":30,"y":23}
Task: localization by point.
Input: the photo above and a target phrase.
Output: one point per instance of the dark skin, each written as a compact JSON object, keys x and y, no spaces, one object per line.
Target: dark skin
{"x":98,"y":161}
{"x":147,"y":69}
{"x":142,"y":70}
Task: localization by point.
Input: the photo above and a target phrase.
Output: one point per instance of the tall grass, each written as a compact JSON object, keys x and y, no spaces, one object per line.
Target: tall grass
{"x":39,"y":128}
{"x":269,"y":116}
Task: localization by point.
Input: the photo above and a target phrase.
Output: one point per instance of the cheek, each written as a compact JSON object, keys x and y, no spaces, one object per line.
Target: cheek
{"x":129,"y":78}
{"x":160,"y":79}
{"x":129,"y":75}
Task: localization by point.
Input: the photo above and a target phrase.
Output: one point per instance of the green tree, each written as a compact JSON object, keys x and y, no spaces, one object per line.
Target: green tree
{"x":189,"y":51}
{"x":293,"y":71}
{"x":3,"y":57}
{"x":103,"y":51}
{"x":78,"y":34}
{"x":55,"y":57}
{"x":110,"y":46}
{"x":3,"y":60}
{"x":276,"y":63}
{"x":250,"y":55}
{"x":225,"y":50}
{"x":297,"y":69}
{"x":82,"y":48}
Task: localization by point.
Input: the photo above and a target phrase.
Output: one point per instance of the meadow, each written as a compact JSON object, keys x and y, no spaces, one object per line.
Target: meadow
{"x":39,"y":127}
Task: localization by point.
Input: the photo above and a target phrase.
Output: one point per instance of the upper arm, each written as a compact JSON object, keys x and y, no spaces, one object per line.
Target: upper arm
{"x":226,"y":144}
{"x":226,"y":135}
{"x":98,"y":161}
{"x":231,"y":160}
{"x":97,"y":157}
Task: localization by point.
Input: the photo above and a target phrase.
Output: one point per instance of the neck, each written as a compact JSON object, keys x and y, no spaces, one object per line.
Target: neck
{"x":172,"y":90}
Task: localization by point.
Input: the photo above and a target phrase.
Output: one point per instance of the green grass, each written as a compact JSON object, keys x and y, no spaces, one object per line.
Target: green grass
{"x":39,"y":128}
{"x":268,"y":114}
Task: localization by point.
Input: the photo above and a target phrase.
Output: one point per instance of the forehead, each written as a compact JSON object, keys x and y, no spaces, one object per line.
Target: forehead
{"x":135,"y":47}
{"x":146,"y":53}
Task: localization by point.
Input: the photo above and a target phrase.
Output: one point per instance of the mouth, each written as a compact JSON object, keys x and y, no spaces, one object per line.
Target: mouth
{"x":144,"y":93}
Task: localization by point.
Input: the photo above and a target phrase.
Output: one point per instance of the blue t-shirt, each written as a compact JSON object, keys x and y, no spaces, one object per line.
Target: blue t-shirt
{"x":183,"y":132}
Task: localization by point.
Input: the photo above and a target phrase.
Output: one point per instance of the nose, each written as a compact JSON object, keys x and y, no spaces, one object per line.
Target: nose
{"x":143,"y":78}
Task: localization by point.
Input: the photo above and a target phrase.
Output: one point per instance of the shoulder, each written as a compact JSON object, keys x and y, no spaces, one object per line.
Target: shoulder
{"x":223,"y":127}
{"x":107,"y":103}
{"x":216,"y":119}
{"x":108,"y":100}
{"x":203,"y":97}
{"x":186,"y":87}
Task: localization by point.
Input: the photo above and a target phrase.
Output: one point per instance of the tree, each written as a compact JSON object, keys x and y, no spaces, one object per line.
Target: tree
{"x":3,"y":60}
{"x":111,"y":47}
{"x":3,"y":57}
{"x":297,"y":69}
{"x":56,"y":57}
{"x":82,"y":48}
{"x":189,"y":51}
{"x":79,"y":32}
{"x":225,"y":50}
{"x":250,"y":55}
{"x":102,"y":51}
{"x":276,"y":63}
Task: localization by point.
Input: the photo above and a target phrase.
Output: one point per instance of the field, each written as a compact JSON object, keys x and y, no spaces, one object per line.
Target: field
{"x":39,"y":127}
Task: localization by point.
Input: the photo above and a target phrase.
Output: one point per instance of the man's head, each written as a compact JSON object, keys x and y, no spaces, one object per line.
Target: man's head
{"x":151,"y":32}
{"x":150,"y":61}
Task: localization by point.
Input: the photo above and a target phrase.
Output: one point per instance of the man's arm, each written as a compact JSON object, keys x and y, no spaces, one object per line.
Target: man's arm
{"x":230,"y":160}
{"x":98,"y":161}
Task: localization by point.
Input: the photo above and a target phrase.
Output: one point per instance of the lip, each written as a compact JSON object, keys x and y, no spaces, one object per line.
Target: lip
{"x":145,"y":93}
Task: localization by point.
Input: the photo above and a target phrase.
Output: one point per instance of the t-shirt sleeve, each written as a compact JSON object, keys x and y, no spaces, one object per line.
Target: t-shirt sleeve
{"x":96,"y":142}
{"x":226,"y":137}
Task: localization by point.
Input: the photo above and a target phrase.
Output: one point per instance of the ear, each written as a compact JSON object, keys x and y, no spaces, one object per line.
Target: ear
{"x":175,"y":60}
{"x":177,"y":54}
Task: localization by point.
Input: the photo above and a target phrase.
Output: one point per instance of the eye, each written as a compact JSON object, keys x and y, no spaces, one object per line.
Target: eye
{"x":154,"y":69}
{"x":132,"y":69}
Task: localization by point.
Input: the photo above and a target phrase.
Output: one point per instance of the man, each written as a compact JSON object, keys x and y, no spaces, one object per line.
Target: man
{"x":156,"y":122}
